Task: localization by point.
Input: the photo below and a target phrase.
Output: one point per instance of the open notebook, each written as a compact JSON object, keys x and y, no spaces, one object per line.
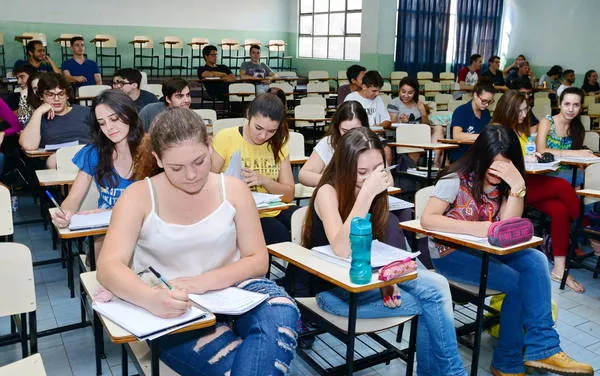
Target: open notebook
{"x":264,"y":200}
{"x":381,"y":254}
{"x":142,"y":323}
{"x":88,"y":221}
{"x":52,"y":147}
{"x":229,"y":301}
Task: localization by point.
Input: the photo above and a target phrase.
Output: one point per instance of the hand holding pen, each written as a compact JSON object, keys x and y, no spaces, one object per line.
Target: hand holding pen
{"x":60,"y":217}
{"x":168,"y":302}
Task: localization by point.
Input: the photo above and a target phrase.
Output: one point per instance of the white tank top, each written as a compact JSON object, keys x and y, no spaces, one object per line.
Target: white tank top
{"x":187,"y":250}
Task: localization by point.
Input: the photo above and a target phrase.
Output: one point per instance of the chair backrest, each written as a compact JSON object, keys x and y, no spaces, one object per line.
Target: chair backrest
{"x":424,"y":75}
{"x":296,"y":145}
{"x":421,"y":198}
{"x":432,"y":86}
{"x":64,"y":157}
{"x":276,"y":45}
{"x":386,"y":99}
{"x":540,"y":94}
{"x":110,"y":43}
{"x":207,"y":114}
{"x":317,"y":74}
{"x":249,"y":42}
{"x":447,"y":76}
{"x":17,"y":287}
{"x":587,"y":100}
{"x":30,"y":366}
{"x":593,"y":109}
{"x":67,"y":43}
{"x":36,"y":36}
{"x":155,"y":89}
{"x":288,"y":89}
{"x":412,"y":133}
{"x":309,"y":111}
{"x":586,"y":121}
{"x":441,"y":98}
{"x":289,"y":74}
{"x":396,"y":76}
{"x":220,"y":124}
{"x":229,"y":44}
{"x":314,"y":100}
{"x":144,"y":81}
{"x":342,"y":78}
{"x":1,"y":39}
{"x":91,"y":91}
{"x":453,"y":104}
{"x":148,"y":44}
{"x":541,"y":107}
{"x":90,"y":201}
{"x":296,"y":224}
{"x":592,"y":180}
{"x":591,"y":140}
{"x":241,"y":87}
{"x":387,"y":87}
{"x":178,"y":41}
{"x":199,"y":43}
{"x":317,"y":88}
{"x":6,"y":215}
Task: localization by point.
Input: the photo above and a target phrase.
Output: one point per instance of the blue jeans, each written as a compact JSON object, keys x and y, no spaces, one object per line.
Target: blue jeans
{"x":428,"y":296}
{"x":525,"y":317}
{"x":260,"y":342}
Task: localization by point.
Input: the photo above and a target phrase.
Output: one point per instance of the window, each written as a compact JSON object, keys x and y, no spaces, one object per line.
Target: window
{"x":330,"y":29}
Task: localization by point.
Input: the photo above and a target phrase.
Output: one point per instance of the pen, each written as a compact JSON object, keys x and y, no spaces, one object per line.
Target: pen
{"x":390,"y":168}
{"x":54,"y":201}
{"x":157,"y":274}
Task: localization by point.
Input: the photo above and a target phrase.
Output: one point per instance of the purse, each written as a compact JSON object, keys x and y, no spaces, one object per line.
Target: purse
{"x":510,"y":232}
{"x":397,"y":269}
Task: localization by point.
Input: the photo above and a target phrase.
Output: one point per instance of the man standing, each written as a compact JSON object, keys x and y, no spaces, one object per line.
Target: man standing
{"x":355,"y":74}
{"x":221,"y":74}
{"x":494,"y":73}
{"x":79,"y":70}
{"x":176,"y":93}
{"x":128,"y":80}
{"x":37,"y":58}
{"x":255,"y":69}
{"x":568,"y":80}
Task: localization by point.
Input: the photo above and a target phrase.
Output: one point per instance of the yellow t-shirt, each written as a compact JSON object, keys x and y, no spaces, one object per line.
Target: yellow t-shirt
{"x":257,"y":157}
{"x":523,"y":141}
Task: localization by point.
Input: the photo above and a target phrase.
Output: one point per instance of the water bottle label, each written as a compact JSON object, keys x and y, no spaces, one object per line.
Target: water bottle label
{"x":529,"y":148}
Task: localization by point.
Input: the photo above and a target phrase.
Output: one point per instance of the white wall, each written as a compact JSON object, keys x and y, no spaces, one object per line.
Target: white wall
{"x":263,"y":15}
{"x":548,"y":32}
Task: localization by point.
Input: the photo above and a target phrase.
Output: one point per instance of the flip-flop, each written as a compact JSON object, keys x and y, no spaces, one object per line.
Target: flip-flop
{"x":570,"y":280}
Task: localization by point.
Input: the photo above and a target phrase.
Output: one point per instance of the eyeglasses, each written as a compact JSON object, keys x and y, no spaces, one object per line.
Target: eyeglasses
{"x":215,"y":54}
{"x":486,"y":102}
{"x":120,"y":83}
{"x":60,"y":95}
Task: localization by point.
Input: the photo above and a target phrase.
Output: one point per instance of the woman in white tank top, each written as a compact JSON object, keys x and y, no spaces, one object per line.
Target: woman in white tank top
{"x":201,"y":231}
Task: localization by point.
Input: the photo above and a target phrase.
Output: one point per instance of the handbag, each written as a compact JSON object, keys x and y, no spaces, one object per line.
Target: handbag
{"x":510,"y":232}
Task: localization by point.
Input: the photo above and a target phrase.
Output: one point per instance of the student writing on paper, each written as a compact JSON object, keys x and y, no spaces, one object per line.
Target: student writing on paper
{"x":563,"y":134}
{"x":354,"y":184}
{"x":55,"y":121}
{"x":263,"y":149}
{"x":487,"y":184}
{"x":551,"y":195}
{"x":201,"y":231}
{"x":108,"y":161}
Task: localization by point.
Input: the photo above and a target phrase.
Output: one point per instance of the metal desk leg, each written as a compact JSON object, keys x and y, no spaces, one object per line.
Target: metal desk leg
{"x":485,"y":258}
{"x":155,"y":352}
{"x":33,"y":345}
{"x":429,"y":165}
{"x":70,"y":274}
{"x":574,"y":176}
{"x":98,"y":343}
{"x":124,"y":361}
{"x":351,"y":333}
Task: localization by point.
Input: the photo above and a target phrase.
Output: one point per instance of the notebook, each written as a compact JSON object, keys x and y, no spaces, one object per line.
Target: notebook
{"x":537,"y":166}
{"x":229,"y":301}
{"x":142,"y":323}
{"x":381,"y":254}
{"x":87,"y":221}
{"x":264,"y":200}
{"x":395,"y":203}
{"x":52,"y":147}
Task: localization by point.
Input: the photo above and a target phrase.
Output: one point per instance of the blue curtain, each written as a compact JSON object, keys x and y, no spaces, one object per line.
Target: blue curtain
{"x":478,"y":25}
{"x":422,"y":36}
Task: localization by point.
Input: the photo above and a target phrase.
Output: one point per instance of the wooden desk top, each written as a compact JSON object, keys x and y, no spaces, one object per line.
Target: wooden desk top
{"x":101,"y":40}
{"x":593,"y":193}
{"x":242,"y":94}
{"x":328,"y":271}
{"x":394,"y":190}
{"x":120,"y":335}
{"x":313,"y":120}
{"x":415,"y":226}
{"x":298,"y":160}
{"x":197,"y":43}
{"x":430,"y":146}
{"x":38,"y":153}
{"x":52,"y":177}
{"x":540,"y":172}
{"x":139,"y":41}
{"x":169,"y":42}
{"x":21,"y":38}
{"x":579,"y":164}
{"x":455,"y":142}
{"x":282,"y":206}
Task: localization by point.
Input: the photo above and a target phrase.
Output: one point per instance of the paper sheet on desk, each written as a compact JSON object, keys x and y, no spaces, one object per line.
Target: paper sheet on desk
{"x":52,"y":147}
{"x":381,"y":254}
{"x":394,"y":203}
{"x":235,"y":166}
{"x":92,"y":220}
{"x":536,"y":166}
{"x":580,"y":159}
{"x":229,"y":301}
{"x":265,"y":199}
{"x":469,"y":238}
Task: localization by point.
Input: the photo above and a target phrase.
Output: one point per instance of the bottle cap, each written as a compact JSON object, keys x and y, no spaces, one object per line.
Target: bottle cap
{"x":361,"y":226}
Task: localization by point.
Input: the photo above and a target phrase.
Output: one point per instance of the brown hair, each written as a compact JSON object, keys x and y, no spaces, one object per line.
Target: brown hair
{"x":341,"y":174}
{"x":270,"y":106}
{"x":171,"y":127}
{"x":507,"y":112}
{"x":349,"y":110}
{"x":576,"y":129}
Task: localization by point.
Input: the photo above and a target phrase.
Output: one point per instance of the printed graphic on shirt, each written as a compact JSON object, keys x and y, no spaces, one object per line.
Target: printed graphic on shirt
{"x":109,"y":197}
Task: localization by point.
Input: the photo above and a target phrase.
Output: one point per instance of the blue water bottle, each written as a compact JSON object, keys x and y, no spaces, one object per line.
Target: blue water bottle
{"x":361,"y":237}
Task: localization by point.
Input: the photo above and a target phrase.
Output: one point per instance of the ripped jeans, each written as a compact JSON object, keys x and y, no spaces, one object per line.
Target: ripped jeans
{"x":260,"y":342}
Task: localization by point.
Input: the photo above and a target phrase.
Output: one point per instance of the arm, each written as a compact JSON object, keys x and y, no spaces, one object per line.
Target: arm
{"x":74,"y":199}
{"x":55,"y":67}
{"x":284,"y":185}
{"x":217,"y":162}
{"x":113,"y":262}
{"x":513,"y":206}
{"x":310,"y":174}
{"x":459,"y":135}
{"x":253,"y":262}
{"x":9,"y":118}
{"x":423,"y":111}
{"x":540,"y":143}
{"x":98,"y":78}
{"x":31,"y":136}
{"x":244,"y":75}
{"x":382,"y":115}
{"x":73,"y":79}
{"x":433,"y":218}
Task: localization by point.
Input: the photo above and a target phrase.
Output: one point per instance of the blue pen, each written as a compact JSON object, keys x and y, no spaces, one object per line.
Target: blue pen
{"x":54,"y":201}
{"x":157,"y":274}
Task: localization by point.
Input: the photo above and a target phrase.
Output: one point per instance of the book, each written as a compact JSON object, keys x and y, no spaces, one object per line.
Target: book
{"x":88,"y":221}
{"x":53,"y":147}
{"x":229,"y":301}
{"x":395,"y":203}
{"x":142,"y":323}
{"x":381,"y":254}
{"x":264,"y":200}
{"x":537,"y":166}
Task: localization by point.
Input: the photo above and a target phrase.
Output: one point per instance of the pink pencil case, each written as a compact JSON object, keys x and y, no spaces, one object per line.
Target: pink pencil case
{"x":397,"y":269}
{"x":510,"y":232}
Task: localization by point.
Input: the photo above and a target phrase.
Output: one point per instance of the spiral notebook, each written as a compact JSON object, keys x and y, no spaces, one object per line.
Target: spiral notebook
{"x":229,"y":301}
{"x":89,"y":221}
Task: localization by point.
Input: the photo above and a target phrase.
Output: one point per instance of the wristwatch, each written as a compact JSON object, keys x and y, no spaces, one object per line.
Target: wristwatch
{"x":520,"y":193}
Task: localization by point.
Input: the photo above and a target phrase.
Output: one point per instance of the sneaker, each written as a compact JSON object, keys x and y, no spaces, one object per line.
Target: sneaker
{"x":561,"y":364}
{"x":305,"y":341}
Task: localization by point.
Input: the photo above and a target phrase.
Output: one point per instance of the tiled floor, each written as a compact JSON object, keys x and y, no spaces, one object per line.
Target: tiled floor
{"x":72,"y":353}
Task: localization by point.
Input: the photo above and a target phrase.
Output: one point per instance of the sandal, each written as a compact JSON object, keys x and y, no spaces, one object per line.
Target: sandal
{"x":571,"y":283}
{"x":595,"y":244}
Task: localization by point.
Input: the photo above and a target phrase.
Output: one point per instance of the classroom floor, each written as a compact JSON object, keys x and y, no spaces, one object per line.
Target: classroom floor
{"x":72,"y":353}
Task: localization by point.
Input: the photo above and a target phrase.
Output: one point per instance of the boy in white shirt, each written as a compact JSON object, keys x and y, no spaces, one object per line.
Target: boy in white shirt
{"x":369,"y":97}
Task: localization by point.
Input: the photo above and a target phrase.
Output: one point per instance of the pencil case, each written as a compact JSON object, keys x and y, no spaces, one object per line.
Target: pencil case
{"x":510,"y":232}
{"x":397,"y":269}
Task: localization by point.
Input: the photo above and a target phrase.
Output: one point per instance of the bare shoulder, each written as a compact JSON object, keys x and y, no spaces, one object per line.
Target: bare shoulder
{"x":136,"y":197}
{"x":236,"y":190}
{"x":326,"y":193}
